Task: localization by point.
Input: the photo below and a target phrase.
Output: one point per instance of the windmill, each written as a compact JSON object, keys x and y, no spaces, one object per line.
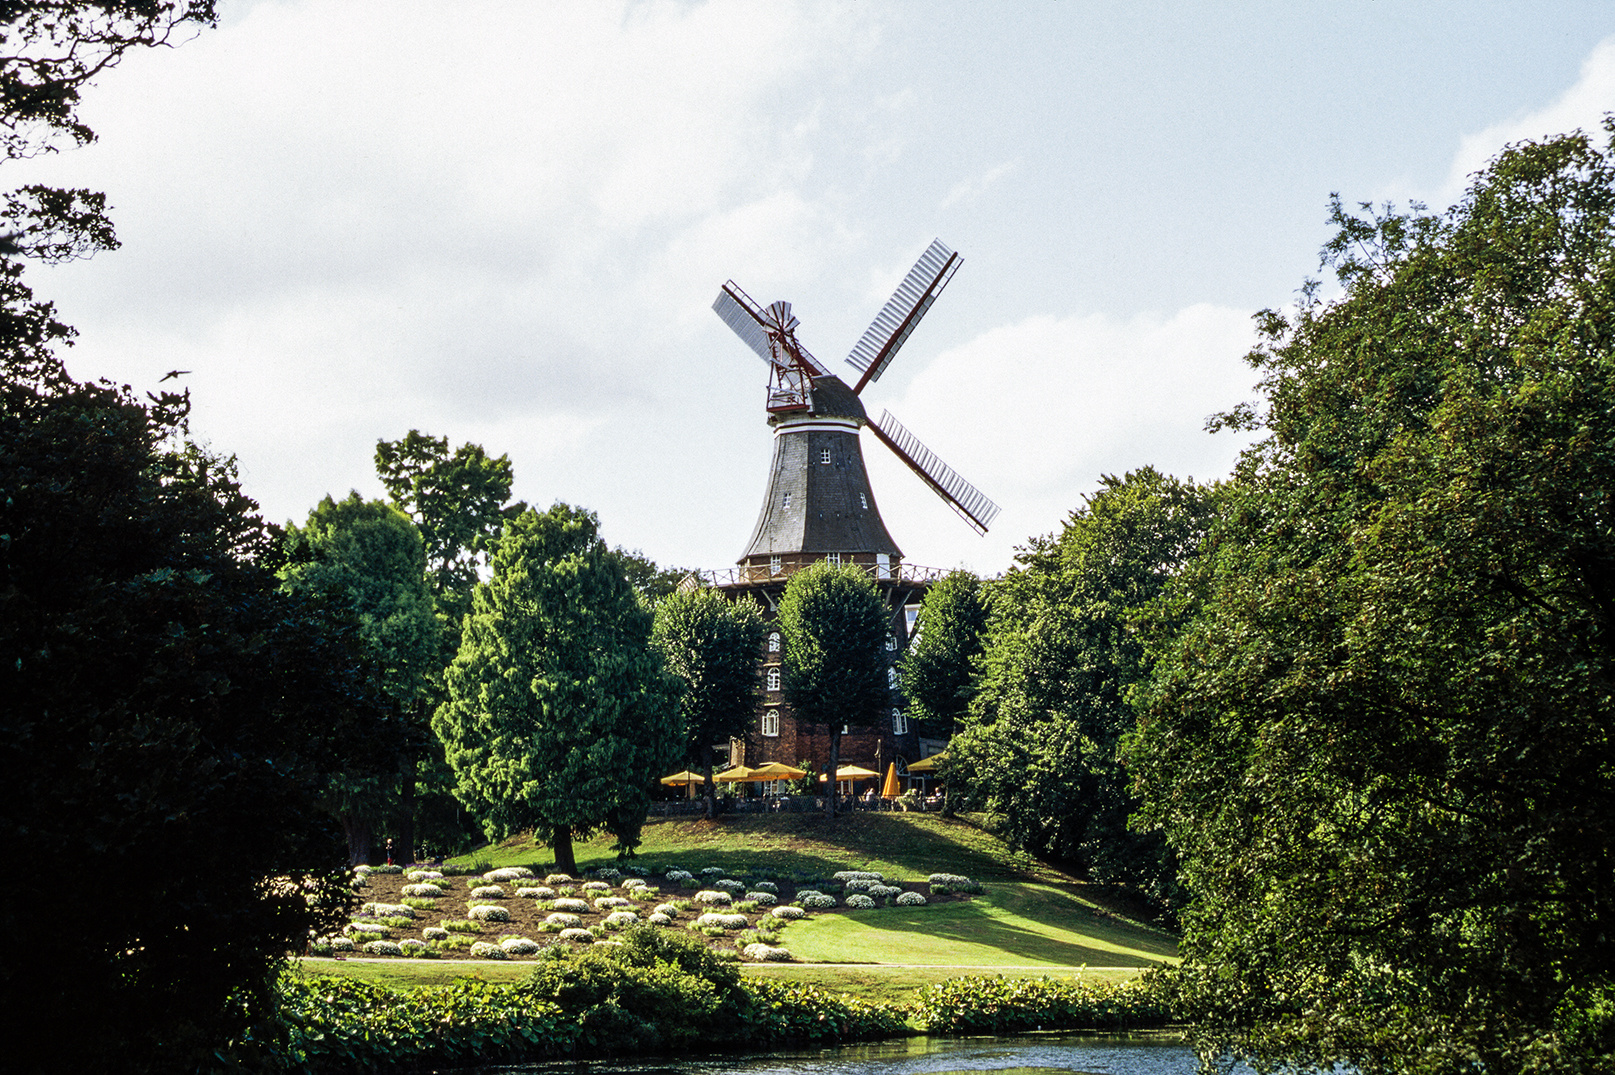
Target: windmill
{"x":819,"y":502}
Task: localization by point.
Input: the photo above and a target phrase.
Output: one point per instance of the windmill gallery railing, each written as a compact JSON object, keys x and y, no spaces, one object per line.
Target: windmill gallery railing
{"x":762,"y":574}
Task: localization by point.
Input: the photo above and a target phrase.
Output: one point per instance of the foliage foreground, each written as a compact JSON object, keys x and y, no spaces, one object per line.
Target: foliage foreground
{"x":652,"y":992}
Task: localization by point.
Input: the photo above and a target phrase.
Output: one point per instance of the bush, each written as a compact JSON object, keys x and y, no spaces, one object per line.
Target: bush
{"x":487,"y":892}
{"x":1000,"y":1005}
{"x":519,"y":946}
{"x":606,"y":873}
{"x":508,"y":873}
{"x":659,"y":919}
{"x":730,"y":886}
{"x":576,"y":906}
{"x":565,"y":921}
{"x":460,"y":925}
{"x":859,"y":902}
{"x":435,"y":933}
{"x":540,"y":893}
{"x":484,"y":950}
{"x":763,"y":953}
{"x":859,"y":884}
{"x":728,"y":922}
{"x":383,"y":948}
{"x":911,"y":899}
{"x":412,"y":947}
{"x":884,"y":892}
{"x":387,"y":910}
{"x":609,"y":903}
{"x":489,"y":912}
{"x":788,"y":914}
{"x":596,"y":886}
{"x":668,"y":909}
{"x":857,"y":875}
{"x":632,"y":883}
{"x":817,"y":901}
{"x":577,"y":936}
{"x":766,"y":886}
{"x":951,"y":879}
{"x":557,"y":879}
{"x":424,"y":875}
{"x":620,"y":920}
{"x":707,"y":895}
{"x":679,"y":877}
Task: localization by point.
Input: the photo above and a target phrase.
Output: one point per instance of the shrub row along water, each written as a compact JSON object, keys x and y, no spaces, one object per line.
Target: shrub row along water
{"x":650,"y":993}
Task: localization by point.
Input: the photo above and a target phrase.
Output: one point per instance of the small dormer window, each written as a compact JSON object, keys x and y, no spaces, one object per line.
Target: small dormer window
{"x":824,"y":455}
{"x":834,"y":558}
{"x":773,"y":642}
{"x":787,"y":503}
{"x":863,"y":501}
{"x":774,"y":566}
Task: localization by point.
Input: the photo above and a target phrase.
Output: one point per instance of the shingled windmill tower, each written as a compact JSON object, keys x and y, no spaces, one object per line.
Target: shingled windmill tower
{"x":819,"y":504}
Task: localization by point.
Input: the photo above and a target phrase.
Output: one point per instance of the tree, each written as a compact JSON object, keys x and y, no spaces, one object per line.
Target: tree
{"x":559,"y":716}
{"x":937,"y":670}
{"x":168,"y":719}
{"x":367,"y":560}
{"x":835,"y":627}
{"x":1039,"y":747}
{"x":1381,"y":741}
{"x":712,"y":645}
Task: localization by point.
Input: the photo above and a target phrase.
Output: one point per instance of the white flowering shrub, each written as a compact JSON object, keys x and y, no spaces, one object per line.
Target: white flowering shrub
{"x":611,"y":903}
{"x":575,"y":906}
{"x":435,"y":933}
{"x":911,"y":899}
{"x":557,"y":879}
{"x":619,"y":919}
{"x":788,"y":913}
{"x":487,"y":892}
{"x":860,"y":902}
{"x":632,"y":883}
{"x":730,"y":922}
{"x":730,"y":885}
{"x":485,"y":950}
{"x":383,"y":948}
{"x":539,"y":893}
{"x":565,"y":921}
{"x":488,"y":912}
{"x":388,"y":910}
{"x":412,"y":947}
{"x":422,"y":891}
{"x":764,"y":899}
{"x":577,"y":936}
{"x":881,"y":892}
{"x":519,"y":946}
{"x":947,"y":879}
{"x":679,"y":877}
{"x":507,"y":874}
{"x":596,"y":886}
{"x":765,"y":953}
{"x":817,"y":901}
{"x":424,"y":875}
{"x":707,"y":895}
{"x":659,"y":919}
{"x":369,"y":929}
{"x":857,"y":875}
{"x":341,"y":944}
{"x":712,"y":871}
{"x":668,"y":909}
{"x":766,"y":886}
{"x":859,"y":884}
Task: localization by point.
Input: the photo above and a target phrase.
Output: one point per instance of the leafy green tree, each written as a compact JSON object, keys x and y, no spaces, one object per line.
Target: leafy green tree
{"x":712,"y":645}
{"x":167,"y":724}
{"x":1381,"y":742}
{"x":937,"y":671}
{"x":559,"y":715}
{"x":835,"y":627}
{"x":652,"y":581}
{"x":367,"y":560}
{"x":1039,"y":750}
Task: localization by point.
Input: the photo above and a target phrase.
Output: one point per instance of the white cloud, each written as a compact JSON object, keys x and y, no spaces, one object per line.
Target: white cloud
{"x":1581,"y":107}
{"x":968,"y":190}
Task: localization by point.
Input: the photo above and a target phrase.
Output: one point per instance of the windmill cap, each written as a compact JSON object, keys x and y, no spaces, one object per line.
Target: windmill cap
{"x":831,"y":398}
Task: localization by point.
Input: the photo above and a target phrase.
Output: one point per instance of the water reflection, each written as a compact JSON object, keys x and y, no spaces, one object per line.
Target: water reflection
{"x":1031,"y":1055}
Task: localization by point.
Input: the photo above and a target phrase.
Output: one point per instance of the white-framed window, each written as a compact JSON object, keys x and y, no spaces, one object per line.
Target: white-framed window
{"x":863,"y":501}
{"x":771,"y":722}
{"x":824,"y":455}
{"x":773,"y":787}
{"x":773,"y":679}
{"x":845,"y":728}
{"x":773,"y":642}
{"x":891,"y":643}
{"x":899,"y":723}
{"x":787,"y":500}
{"x":835,"y":559}
{"x":891,"y":678}
{"x":774,"y":565}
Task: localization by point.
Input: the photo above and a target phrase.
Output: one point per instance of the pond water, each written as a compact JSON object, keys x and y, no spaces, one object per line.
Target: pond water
{"x":1029,"y":1055}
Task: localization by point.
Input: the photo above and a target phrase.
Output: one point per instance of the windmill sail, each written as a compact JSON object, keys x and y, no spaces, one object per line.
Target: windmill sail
{"x":902,"y":312}
{"x":971,"y":503}
{"x":745,"y":317}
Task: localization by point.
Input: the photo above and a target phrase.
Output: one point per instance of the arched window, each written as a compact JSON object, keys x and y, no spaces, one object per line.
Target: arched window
{"x":773,"y":642}
{"x":773,"y":679}
{"x":771,"y":722}
{"x":899,"y":723}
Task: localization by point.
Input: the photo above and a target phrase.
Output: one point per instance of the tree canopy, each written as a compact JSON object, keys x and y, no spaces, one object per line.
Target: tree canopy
{"x":1381,"y":742}
{"x":1038,"y":751}
{"x":711,"y":644}
{"x":559,"y":715}
{"x":937,"y":671}
{"x":835,"y":627}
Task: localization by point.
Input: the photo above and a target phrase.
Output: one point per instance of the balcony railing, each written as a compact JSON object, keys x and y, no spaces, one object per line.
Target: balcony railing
{"x":761,"y":574}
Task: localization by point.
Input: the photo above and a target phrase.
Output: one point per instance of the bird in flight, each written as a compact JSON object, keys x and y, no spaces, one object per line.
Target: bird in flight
{"x":171,"y":374}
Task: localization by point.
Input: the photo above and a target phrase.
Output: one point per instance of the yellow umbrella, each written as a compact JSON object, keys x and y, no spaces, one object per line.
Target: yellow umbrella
{"x":853,"y":772}
{"x":928,"y":765}
{"x":890,"y":790}
{"x":777,"y":770}
{"x":685,"y":777}
{"x":739,"y":774}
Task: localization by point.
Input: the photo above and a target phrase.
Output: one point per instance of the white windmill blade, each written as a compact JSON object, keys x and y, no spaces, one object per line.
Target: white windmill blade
{"x":971,"y":503}
{"x":902,"y":312}
{"x":745,"y":317}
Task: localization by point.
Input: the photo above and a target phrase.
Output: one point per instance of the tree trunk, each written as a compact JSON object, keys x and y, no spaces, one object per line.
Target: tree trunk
{"x":709,"y":789}
{"x":565,"y":861}
{"x":358,"y":834}
{"x":404,"y":845}
{"x":835,"y":763}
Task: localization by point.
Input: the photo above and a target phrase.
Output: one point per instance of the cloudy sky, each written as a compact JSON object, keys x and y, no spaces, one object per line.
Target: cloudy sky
{"x":506,"y":223}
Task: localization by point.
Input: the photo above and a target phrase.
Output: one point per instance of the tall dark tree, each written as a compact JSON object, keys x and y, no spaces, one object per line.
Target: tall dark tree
{"x":937,"y":670}
{"x":559,"y":715}
{"x":1382,"y":743}
{"x":712,"y":645}
{"x":835,"y":627}
{"x":367,"y":560}
{"x":1039,"y":747}
{"x":168,"y":720}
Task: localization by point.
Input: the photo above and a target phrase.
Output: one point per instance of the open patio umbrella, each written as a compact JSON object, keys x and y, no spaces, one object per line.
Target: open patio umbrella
{"x":739,"y":775}
{"x":928,"y":765}
{"x":890,"y":790}
{"x":686,"y":777}
{"x":853,"y":772}
{"x":778,"y":770}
